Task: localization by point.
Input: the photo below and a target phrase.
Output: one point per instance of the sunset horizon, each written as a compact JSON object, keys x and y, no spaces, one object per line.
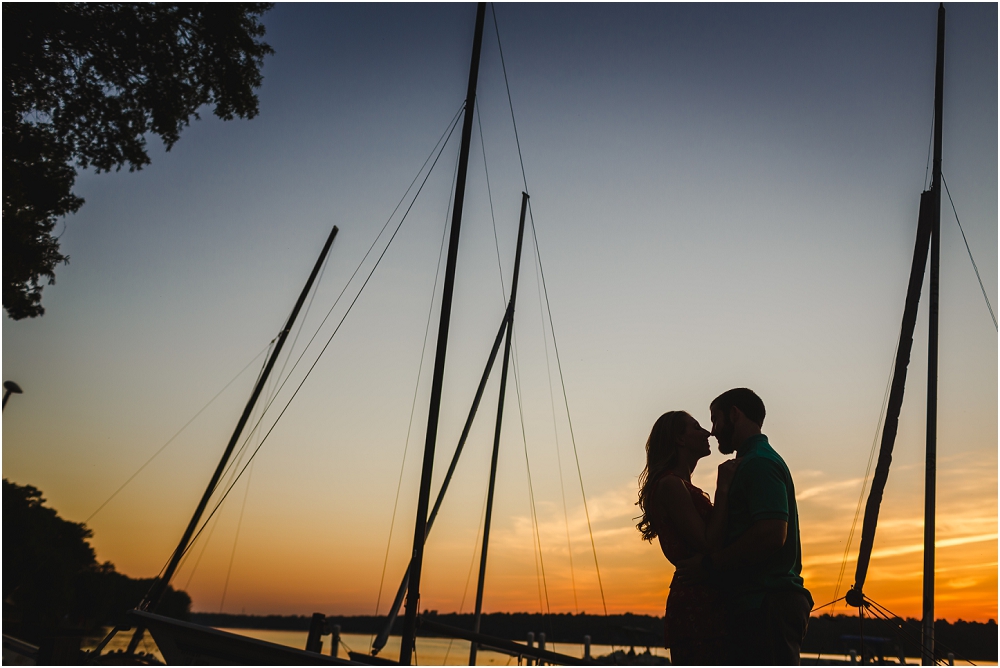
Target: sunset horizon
{"x":720,"y":197}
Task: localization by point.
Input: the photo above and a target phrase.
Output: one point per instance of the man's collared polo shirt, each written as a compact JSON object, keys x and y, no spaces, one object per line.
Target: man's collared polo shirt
{"x":762,"y":489}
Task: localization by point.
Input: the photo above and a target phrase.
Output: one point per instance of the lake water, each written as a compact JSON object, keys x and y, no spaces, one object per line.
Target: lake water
{"x":429,"y":651}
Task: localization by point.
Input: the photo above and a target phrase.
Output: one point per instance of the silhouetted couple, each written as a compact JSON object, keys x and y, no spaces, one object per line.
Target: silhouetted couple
{"x":737,"y":595}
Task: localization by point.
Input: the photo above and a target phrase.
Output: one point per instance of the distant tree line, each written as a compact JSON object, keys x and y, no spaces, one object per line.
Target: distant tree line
{"x":53,"y":585}
{"x":827,"y":634}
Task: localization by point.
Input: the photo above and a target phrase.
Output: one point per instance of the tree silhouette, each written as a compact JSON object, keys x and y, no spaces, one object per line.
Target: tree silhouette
{"x":51,"y":578}
{"x":84,"y":84}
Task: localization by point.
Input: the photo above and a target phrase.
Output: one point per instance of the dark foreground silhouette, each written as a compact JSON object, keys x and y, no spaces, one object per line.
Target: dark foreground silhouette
{"x":835,"y":634}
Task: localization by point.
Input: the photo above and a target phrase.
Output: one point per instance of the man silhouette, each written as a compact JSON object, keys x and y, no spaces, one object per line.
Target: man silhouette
{"x":759,"y":568}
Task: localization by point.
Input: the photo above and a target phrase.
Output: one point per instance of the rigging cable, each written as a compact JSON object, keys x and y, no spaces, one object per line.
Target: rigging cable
{"x":907,"y":637}
{"x":864,"y":481}
{"x":329,"y":340}
{"x":537,"y":538}
{"x":971,"y":259}
{"x":548,"y":307}
{"x":569,"y":419}
{"x":269,"y":397}
{"x":555,"y":433}
{"x":489,"y":192}
{"x":503,"y":294}
{"x":472,"y":564}
{"x":886,"y":612}
{"x":413,"y":406}
{"x":208,"y":538}
{"x":194,"y":569}
{"x":178,"y":433}
{"x":445,"y":136}
{"x":233,"y":464}
{"x":232,"y":556}
{"x":305,"y":315}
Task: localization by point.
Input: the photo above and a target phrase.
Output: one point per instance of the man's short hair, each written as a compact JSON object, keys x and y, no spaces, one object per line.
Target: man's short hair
{"x":746,"y":400}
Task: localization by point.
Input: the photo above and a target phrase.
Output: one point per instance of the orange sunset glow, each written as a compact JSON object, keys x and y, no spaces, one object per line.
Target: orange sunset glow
{"x":722,"y":196}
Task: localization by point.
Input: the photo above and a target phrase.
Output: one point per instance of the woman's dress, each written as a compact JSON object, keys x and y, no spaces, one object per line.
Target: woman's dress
{"x":694,"y":623}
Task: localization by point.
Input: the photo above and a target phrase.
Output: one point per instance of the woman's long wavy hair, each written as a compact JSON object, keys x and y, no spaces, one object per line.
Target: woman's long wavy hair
{"x":661,"y":455}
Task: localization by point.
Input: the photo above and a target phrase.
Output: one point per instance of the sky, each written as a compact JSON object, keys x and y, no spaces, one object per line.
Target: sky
{"x":721,"y":196}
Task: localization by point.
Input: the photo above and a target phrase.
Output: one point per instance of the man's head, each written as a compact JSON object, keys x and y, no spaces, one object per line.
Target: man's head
{"x":736,"y":415}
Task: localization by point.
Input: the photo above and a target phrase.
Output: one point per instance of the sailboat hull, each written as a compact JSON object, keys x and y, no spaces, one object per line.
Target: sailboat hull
{"x":186,"y":644}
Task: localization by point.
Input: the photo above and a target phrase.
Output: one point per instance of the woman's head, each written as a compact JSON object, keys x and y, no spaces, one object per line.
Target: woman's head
{"x":676,"y":438}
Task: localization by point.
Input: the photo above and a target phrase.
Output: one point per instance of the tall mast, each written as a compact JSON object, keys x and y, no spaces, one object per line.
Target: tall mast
{"x":423,"y":500}
{"x":930,"y":473}
{"x":496,"y":434}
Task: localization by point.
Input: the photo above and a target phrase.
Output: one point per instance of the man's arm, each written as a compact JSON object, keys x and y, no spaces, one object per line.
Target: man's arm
{"x":762,"y":540}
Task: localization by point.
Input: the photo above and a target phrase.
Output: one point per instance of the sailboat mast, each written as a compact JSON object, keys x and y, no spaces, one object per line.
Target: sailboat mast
{"x":496,"y":435}
{"x":423,"y":500}
{"x":159,"y":587}
{"x":930,"y":471}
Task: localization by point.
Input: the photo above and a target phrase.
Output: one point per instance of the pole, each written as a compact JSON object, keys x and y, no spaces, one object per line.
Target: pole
{"x":423,"y":500}
{"x":496,"y":434}
{"x":383,"y":637}
{"x":930,"y":474}
{"x":159,"y":587}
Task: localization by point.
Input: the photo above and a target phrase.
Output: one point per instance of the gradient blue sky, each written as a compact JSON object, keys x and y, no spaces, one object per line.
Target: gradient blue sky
{"x":724,"y":195}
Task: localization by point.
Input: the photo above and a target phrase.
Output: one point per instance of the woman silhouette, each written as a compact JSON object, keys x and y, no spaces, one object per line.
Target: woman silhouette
{"x":684,"y":520}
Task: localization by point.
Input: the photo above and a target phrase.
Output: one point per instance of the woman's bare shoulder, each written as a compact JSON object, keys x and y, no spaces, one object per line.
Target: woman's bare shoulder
{"x":671,"y":487}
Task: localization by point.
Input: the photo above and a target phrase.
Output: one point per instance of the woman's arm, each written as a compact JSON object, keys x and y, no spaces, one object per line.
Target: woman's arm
{"x":715,"y":531}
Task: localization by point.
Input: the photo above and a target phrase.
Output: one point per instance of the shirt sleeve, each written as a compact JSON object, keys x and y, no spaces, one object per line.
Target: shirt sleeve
{"x":768,"y":498}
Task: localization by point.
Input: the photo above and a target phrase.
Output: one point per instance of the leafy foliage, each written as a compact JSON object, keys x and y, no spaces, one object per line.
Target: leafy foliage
{"x":51,"y":577}
{"x":42,"y":556}
{"x":84,"y":84}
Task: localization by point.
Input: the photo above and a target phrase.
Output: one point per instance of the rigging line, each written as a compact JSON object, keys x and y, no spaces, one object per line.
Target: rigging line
{"x":496,"y":240}
{"x":194,"y":569}
{"x":208,"y":539}
{"x":937,"y":642}
{"x":178,"y":433}
{"x":531,"y":492}
{"x":555,"y":433}
{"x":913,"y":637}
{"x":534,"y":548}
{"x":569,"y":420}
{"x":239,"y":524}
{"x":269,"y":396}
{"x":524,"y":179}
{"x":305,"y":315}
{"x":899,"y":631}
{"x":472,"y":563}
{"x":446,"y":137}
{"x":328,"y":341}
{"x":827,"y":604}
{"x":971,"y":259}
{"x":509,"y":101}
{"x":503,"y":294}
{"x":864,"y":481}
{"x":416,"y":388}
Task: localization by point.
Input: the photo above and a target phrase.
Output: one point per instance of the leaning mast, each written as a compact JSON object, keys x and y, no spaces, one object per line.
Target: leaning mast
{"x":928,"y":242}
